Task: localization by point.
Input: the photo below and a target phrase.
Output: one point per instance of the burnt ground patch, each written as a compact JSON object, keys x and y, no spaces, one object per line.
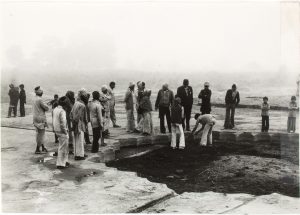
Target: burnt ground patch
{"x":236,"y":169}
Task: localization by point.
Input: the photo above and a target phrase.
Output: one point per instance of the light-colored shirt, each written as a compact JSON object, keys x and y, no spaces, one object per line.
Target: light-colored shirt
{"x":112,"y":101}
{"x":60,"y":120}
{"x":96,"y":114}
{"x":265,"y":107}
{"x":129,"y":100}
{"x":293,"y":109}
{"x":206,"y":119}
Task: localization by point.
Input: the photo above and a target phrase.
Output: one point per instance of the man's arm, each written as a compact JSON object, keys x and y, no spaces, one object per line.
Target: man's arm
{"x":99,"y":116}
{"x":171,"y":97}
{"x":195,"y":128}
{"x":192,"y":95}
{"x":237,"y":98}
{"x":63,"y":122}
{"x":44,"y":106}
{"x":126,"y":96}
{"x":157,"y":100}
{"x":200,"y":94}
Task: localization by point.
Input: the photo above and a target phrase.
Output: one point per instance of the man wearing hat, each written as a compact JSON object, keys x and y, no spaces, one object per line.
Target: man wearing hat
{"x":14,"y":98}
{"x":205,"y":95}
{"x":129,"y":108}
{"x":39,"y":109}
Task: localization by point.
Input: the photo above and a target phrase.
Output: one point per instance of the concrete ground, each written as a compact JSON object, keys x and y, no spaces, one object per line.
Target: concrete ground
{"x":31,"y":183}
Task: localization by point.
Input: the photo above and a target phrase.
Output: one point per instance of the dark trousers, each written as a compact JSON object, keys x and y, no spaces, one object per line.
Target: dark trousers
{"x":265,"y":123}
{"x":96,"y":136}
{"x":22,"y":109}
{"x":229,"y":119}
{"x":164,"y":111}
{"x":12,"y":109}
{"x":187,"y":117}
{"x":87,"y":137}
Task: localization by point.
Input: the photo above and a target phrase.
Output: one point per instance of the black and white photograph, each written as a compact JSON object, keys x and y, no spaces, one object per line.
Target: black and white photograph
{"x":150,"y":106}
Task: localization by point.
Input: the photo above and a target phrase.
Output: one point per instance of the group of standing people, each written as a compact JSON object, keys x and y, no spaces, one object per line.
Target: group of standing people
{"x":16,"y":94}
{"x":71,"y":118}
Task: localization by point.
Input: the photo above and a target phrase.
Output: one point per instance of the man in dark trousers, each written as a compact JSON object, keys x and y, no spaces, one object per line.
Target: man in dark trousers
{"x":164,"y":101}
{"x":205,"y":95}
{"x":14,"y":99}
{"x":185,"y":93}
{"x":232,"y":99}
{"x":22,"y":100}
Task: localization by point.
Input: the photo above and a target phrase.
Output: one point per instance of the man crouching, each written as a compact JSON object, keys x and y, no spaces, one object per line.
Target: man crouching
{"x":207,"y":121}
{"x":61,"y":130}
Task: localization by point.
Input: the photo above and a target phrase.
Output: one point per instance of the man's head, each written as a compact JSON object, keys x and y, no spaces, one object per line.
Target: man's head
{"x":112,"y":85}
{"x":96,"y":95}
{"x":62,"y":101}
{"x":185,"y":82}
{"x":82,"y":95}
{"x":38,"y":91}
{"x":55,"y":96}
{"x":177,"y":100}
{"x":147,"y":92}
{"x":71,"y":95}
{"x":131,"y":86}
{"x":293,"y":98}
{"x":197,"y":116}
{"x":11,"y":86}
{"x":265,"y":99}
{"x":206,"y":85}
{"x":143,"y":85}
{"x":21,"y":86}
{"x":165,"y":87}
{"x":104,"y":89}
{"x":233,"y":87}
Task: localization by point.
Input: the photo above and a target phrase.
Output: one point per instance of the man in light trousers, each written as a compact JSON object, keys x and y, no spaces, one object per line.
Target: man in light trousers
{"x":207,"y":121}
{"x":60,"y":127}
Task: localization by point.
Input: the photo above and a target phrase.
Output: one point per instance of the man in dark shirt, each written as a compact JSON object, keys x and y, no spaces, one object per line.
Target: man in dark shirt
{"x":232,"y":99}
{"x":205,"y":95}
{"x":163,"y":103}
{"x":22,"y":100}
{"x":185,"y":93}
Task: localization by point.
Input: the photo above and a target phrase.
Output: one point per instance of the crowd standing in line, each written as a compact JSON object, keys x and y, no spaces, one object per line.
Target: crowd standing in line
{"x":71,"y":118}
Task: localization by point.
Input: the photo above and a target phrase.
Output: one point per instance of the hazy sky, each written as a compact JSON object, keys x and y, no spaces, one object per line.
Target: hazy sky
{"x":158,"y":36}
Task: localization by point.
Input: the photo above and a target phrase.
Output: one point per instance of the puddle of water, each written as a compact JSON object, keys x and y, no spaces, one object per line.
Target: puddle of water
{"x":7,"y":149}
